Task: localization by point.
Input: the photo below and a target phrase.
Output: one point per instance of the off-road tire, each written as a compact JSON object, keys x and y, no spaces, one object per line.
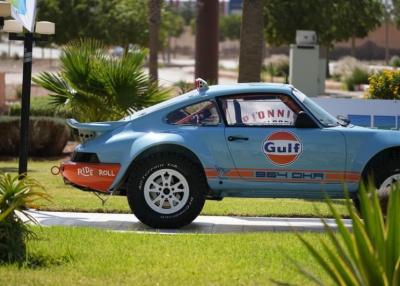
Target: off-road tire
{"x":141,"y":172}
{"x":378,"y":171}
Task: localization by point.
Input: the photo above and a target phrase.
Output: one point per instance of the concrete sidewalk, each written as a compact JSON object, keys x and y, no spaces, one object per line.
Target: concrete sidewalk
{"x":203,"y":224}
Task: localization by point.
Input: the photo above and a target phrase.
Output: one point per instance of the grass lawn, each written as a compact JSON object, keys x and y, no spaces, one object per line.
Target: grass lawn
{"x":84,"y":256}
{"x":66,"y":198}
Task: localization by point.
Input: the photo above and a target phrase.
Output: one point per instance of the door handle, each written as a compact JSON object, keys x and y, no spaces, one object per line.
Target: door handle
{"x":235,"y":138}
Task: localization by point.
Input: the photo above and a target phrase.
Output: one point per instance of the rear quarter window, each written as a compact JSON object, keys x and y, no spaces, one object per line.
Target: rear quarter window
{"x":204,"y":114}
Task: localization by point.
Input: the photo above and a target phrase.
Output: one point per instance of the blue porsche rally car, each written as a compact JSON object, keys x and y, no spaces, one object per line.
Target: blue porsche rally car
{"x":242,"y":140}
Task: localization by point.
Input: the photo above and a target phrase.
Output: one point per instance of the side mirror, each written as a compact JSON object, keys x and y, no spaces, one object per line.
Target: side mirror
{"x":344,"y":119}
{"x":304,"y":120}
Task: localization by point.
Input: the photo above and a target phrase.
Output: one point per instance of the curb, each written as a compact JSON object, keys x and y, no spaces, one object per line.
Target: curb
{"x":202,"y":224}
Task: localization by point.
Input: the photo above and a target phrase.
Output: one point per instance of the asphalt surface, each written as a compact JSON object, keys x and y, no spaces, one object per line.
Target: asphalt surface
{"x":203,"y":224}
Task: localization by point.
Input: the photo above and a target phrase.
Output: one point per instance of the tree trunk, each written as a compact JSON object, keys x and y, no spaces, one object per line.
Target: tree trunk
{"x":154,"y":27}
{"x":386,"y":33}
{"x":207,"y":40}
{"x":251,"y":41}
{"x":169,"y":49}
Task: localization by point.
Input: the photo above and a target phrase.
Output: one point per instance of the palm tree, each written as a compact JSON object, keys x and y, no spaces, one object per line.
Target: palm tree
{"x":154,"y":28}
{"x":207,"y":40}
{"x":15,"y":195}
{"x":251,"y":41}
{"x":93,"y":86}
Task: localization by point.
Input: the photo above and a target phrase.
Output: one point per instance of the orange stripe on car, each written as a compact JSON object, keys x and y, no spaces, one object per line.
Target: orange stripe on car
{"x":211,"y":172}
{"x":249,"y":174}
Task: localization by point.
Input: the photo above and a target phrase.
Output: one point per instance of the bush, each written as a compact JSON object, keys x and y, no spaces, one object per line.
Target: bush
{"x":47,"y":136}
{"x":41,"y":106}
{"x":395,"y":61}
{"x":229,"y":27}
{"x":384,"y":85}
{"x":370,"y":253}
{"x":96,"y":87}
{"x":15,"y":195}
{"x":18,"y":92}
{"x":277,"y":65}
{"x":358,"y":76}
{"x":184,"y":87}
{"x":345,"y":67}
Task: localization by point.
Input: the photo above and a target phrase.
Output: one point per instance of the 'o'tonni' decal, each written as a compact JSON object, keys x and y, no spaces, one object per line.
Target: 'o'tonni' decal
{"x":282,"y":148}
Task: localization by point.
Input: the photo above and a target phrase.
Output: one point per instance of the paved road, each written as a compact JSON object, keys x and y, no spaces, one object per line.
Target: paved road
{"x":203,"y":224}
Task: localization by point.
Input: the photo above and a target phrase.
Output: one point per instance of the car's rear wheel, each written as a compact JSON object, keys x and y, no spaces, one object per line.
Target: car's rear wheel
{"x":384,"y":172}
{"x":166,"y":191}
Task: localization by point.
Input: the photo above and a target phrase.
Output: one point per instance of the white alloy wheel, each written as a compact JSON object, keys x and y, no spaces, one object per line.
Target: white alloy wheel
{"x":386,"y":187}
{"x":166,"y":191}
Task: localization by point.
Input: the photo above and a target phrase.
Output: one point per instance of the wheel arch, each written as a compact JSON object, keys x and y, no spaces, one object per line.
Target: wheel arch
{"x":388,"y":152}
{"x":163,"y":148}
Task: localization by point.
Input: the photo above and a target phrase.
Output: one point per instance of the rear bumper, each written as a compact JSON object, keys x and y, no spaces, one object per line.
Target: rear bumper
{"x":93,"y":176}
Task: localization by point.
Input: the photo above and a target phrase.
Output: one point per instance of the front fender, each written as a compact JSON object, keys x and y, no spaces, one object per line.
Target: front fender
{"x":363,"y":146}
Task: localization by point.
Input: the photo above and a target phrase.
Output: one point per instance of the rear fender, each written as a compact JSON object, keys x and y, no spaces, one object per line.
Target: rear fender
{"x":152,"y":140}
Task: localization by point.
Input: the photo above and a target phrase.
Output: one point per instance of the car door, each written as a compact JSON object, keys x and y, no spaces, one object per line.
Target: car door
{"x":274,"y":158}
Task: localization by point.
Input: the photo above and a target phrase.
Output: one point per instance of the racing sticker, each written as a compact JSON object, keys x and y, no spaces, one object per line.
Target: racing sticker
{"x":282,"y":148}
{"x":94,"y":176}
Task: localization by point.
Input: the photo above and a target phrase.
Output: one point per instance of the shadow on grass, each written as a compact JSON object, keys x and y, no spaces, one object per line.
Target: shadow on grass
{"x":42,"y":261}
{"x":37,"y":261}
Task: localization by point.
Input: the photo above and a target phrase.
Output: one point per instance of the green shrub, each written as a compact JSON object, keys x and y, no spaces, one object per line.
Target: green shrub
{"x":370,"y":253}
{"x":41,"y":106}
{"x":358,"y":76}
{"x":15,"y":195}
{"x":184,"y":87}
{"x":47,"y":136}
{"x":97,"y":87}
{"x":18,"y":92}
{"x":277,"y":65}
{"x":384,"y":85}
{"x":395,"y":61}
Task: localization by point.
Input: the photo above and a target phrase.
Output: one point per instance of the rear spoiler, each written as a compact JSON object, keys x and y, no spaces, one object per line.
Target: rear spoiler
{"x":87,"y":131}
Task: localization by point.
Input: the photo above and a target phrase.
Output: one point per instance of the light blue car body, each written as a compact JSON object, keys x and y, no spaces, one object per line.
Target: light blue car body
{"x":330,"y":151}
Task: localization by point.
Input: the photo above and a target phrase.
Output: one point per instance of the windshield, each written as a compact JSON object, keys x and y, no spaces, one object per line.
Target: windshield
{"x":319,"y":113}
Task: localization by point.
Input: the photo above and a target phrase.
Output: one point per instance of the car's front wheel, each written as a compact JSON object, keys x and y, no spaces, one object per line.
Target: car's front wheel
{"x":166,"y":191}
{"x":385,"y":174}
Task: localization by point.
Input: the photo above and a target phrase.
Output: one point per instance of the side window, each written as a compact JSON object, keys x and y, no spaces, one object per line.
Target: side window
{"x":203,"y":113}
{"x":260,"y":110}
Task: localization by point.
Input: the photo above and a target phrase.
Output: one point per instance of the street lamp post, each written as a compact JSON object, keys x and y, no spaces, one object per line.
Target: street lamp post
{"x":25,"y":101}
{"x":15,"y":30}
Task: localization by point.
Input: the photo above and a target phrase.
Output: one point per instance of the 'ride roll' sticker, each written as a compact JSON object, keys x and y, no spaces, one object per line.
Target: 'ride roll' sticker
{"x":282,"y":148}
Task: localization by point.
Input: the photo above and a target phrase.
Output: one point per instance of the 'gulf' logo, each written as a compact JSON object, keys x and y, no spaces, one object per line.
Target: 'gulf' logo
{"x":282,"y":147}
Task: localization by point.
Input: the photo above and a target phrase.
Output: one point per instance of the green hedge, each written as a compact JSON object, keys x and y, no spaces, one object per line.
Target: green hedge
{"x":41,"y":106}
{"x":47,"y":136}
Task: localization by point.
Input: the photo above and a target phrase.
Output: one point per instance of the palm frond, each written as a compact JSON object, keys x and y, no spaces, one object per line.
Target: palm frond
{"x":370,"y":254}
{"x":96,"y":87}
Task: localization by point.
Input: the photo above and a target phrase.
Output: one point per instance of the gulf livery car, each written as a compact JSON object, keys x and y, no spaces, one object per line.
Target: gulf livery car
{"x":243,"y":140}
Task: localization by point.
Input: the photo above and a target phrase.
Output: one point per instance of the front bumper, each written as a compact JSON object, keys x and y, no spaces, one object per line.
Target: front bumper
{"x":92,"y":176}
